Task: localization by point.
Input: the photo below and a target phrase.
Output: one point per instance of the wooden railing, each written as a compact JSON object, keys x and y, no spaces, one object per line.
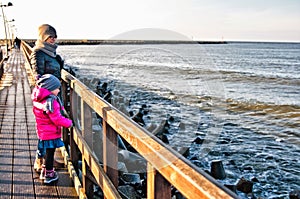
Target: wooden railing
{"x":1,"y":64}
{"x":26,"y":49}
{"x":97,"y":149}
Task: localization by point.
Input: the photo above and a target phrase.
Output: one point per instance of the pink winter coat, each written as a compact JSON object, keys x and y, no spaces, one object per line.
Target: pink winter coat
{"x":48,"y":124}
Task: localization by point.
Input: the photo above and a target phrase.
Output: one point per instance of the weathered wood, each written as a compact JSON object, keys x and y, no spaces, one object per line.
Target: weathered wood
{"x":157,"y":186}
{"x":6,"y":143}
{"x":86,"y":181}
{"x":110,"y":153}
{"x":87,"y":134}
{"x":22,"y":173}
{"x":86,"y":118}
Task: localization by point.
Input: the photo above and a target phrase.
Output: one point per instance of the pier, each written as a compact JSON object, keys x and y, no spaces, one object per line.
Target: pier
{"x":18,"y":139}
{"x":91,"y":155}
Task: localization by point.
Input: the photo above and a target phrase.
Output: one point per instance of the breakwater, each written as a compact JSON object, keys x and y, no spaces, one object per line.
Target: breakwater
{"x":121,"y":42}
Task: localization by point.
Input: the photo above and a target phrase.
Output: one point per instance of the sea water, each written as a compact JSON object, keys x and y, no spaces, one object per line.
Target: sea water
{"x":241,"y":99}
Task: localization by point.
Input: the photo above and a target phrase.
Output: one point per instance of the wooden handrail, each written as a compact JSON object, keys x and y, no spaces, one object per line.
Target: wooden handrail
{"x":26,"y":49}
{"x":165,"y":167}
{"x":1,"y":63}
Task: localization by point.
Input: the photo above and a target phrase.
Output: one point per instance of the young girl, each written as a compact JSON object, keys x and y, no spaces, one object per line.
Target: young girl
{"x":49,"y":121}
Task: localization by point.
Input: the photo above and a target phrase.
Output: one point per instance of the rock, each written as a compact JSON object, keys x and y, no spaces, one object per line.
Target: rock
{"x":133,"y":161}
{"x":198,"y":140}
{"x":193,"y":158}
{"x":127,"y":191}
{"x":138,"y":117}
{"x":151,"y":127}
{"x":232,"y":162}
{"x":171,"y":119}
{"x":107,"y":97}
{"x":217,"y":170}
{"x":247,"y":168}
{"x":122,"y":168}
{"x":160,"y":128}
{"x":295,"y":194}
{"x":184,"y":151}
{"x":163,"y":138}
{"x":254,"y":179}
{"x":198,"y":163}
{"x":207,"y":171}
{"x":231,"y":187}
{"x":244,"y":185}
{"x":131,"y":179}
{"x":98,"y":193}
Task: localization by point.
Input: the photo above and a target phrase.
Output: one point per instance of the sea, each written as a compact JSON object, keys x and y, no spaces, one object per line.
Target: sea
{"x":237,"y":102}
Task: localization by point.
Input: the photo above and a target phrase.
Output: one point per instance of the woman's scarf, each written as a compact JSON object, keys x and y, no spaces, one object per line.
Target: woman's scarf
{"x":49,"y":49}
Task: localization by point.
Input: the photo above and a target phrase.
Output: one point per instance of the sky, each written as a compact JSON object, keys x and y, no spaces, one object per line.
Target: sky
{"x":204,"y":20}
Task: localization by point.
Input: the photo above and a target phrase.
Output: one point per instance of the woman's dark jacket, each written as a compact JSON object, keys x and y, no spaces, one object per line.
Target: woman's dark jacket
{"x":43,"y":63}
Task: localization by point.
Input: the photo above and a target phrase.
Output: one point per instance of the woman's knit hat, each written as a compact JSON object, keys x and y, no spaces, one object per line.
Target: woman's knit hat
{"x":46,"y":31}
{"x":49,"y":82}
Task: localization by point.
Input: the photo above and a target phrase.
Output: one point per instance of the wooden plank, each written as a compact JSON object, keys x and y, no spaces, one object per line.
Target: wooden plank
{"x":65,"y":187}
{"x":22,"y":171}
{"x":6,"y":155}
{"x":6,"y":142}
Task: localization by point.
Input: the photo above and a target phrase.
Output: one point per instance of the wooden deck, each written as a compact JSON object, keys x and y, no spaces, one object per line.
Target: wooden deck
{"x":18,"y":140}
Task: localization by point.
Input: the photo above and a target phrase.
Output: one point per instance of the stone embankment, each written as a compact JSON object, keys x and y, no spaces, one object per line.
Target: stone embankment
{"x":132,"y":183}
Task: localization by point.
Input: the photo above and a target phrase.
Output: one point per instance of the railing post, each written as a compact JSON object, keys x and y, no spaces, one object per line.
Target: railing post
{"x":86,"y":182}
{"x":157,"y":186}
{"x":74,"y":151}
{"x":66,"y":102}
{"x":86,"y":118}
{"x":87,"y":134}
{"x":110,"y":152}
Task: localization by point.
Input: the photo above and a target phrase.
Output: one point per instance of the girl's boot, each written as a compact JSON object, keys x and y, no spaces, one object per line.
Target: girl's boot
{"x":50,"y":176}
{"x":43,"y":172}
{"x":38,"y":163}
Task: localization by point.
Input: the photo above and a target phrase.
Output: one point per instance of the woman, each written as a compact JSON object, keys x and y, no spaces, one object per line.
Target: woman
{"x":44,"y":60}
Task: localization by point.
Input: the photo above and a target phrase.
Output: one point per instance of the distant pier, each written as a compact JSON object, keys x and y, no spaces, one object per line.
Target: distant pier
{"x":118,"y":42}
